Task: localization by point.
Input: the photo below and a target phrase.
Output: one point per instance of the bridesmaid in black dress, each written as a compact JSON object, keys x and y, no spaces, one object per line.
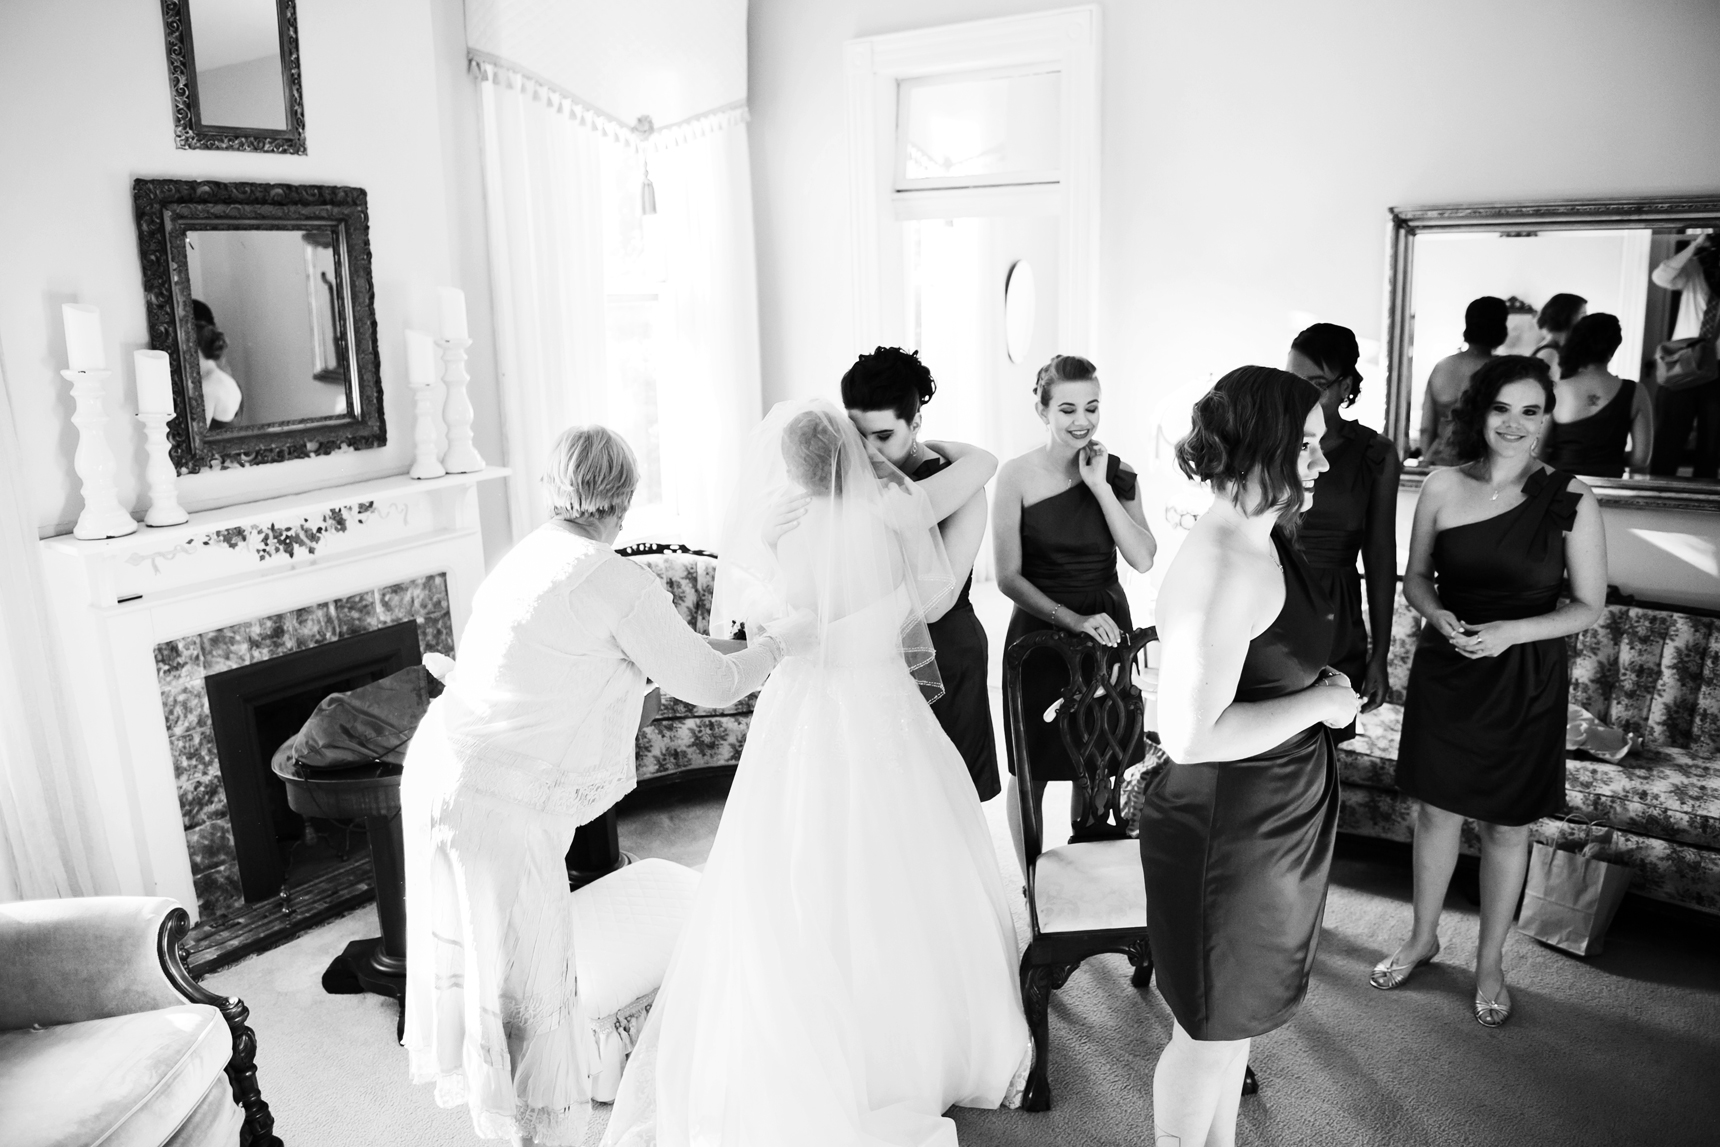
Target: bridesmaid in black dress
{"x":1484,"y":717}
{"x":883,"y":393}
{"x":1597,"y":410}
{"x":1237,"y":833}
{"x":1354,"y":514}
{"x":1063,"y":513}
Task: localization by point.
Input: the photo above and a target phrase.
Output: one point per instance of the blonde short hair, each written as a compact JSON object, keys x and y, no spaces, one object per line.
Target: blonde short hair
{"x":591,"y":473}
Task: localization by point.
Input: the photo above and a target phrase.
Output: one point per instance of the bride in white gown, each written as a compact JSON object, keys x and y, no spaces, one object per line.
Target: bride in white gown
{"x":849,"y":969}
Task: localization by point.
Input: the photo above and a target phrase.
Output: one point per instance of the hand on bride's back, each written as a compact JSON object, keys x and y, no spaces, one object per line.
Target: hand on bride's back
{"x":798,"y":632}
{"x":784,"y":515}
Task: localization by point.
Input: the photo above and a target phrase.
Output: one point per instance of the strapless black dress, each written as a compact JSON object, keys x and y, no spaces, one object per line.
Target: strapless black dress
{"x":1068,"y":554}
{"x":1331,"y":536}
{"x":964,"y":711}
{"x":1236,"y":853}
{"x":1486,"y":739}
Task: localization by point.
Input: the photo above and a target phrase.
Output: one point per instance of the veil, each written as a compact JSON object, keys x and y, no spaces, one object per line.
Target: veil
{"x":865,"y":558}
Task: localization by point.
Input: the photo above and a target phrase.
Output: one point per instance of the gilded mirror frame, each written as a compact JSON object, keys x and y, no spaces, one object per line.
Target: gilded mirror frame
{"x":1557,"y":215}
{"x":165,"y":209}
{"x":189,"y":130}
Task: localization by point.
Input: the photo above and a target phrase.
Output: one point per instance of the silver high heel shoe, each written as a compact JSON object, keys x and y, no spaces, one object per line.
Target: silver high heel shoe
{"x":1491,"y":1013}
{"x":1387,"y":975}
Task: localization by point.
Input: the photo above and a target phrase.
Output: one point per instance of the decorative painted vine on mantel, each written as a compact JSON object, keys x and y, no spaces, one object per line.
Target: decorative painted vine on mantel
{"x":272,"y":539}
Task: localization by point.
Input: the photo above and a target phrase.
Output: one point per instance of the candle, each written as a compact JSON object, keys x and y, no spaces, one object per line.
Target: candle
{"x":420,"y":359}
{"x":84,"y":349}
{"x":453,"y":313}
{"x":154,"y":382}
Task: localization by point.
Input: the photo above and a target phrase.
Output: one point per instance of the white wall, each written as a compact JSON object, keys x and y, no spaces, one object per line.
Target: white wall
{"x":84,"y":108}
{"x":1251,"y":149}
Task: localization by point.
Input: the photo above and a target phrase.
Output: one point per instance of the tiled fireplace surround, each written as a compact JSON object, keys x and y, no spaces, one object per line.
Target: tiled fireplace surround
{"x":143,"y":619}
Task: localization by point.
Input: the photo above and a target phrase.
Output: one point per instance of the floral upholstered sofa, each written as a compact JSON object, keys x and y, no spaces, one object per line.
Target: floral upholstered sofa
{"x":1653,"y":672}
{"x":687,"y":740}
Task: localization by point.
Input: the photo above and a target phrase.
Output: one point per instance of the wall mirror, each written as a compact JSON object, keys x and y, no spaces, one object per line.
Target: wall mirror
{"x":1650,"y":264}
{"x":233,"y":66}
{"x":261,"y":295}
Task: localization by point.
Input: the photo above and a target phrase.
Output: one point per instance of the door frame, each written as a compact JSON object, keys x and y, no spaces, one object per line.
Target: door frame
{"x":1066,"y":37}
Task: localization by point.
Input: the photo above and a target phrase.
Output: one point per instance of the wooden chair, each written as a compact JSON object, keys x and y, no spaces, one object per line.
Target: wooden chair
{"x":1083,"y":898}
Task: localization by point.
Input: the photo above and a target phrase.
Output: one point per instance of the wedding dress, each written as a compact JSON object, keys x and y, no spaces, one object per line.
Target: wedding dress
{"x":849,"y":969}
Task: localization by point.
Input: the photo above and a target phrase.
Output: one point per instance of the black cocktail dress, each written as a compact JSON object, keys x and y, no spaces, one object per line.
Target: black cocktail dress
{"x":1486,"y":738}
{"x":1069,"y":555}
{"x":964,"y":710}
{"x":1331,"y":537}
{"x":1594,"y":445}
{"x":1236,"y":853}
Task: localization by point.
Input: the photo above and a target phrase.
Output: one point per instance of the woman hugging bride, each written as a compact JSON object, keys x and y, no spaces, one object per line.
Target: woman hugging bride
{"x":849,"y":969}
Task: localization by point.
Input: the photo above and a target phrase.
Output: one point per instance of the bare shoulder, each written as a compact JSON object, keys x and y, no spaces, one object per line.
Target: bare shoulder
{"x":1208,"y":577}
{"x":1443,"y":484}
{"x":1582,"y":490}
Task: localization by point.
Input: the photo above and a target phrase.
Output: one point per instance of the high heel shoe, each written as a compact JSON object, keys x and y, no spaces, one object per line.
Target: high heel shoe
{"x":1491,"y":1013}
{"x":1387,"y":975}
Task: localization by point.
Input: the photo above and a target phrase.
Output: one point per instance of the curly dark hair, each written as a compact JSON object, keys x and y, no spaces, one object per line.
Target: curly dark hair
{"x":1468,"y":433}
{"x":889,"y":378}
{"x":1594,"y":340}
{"x":812,"y":448}
{"x":1334,"y":348}
{"x":1062,"y":368}
{"x":1251,"y":422}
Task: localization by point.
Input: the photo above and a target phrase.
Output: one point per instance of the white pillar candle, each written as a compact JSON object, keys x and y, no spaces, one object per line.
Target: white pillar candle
{"x":453,"y":313}
{"x":420,"y":359}
{"x":84,"y":349}
{"x":154,"y":382}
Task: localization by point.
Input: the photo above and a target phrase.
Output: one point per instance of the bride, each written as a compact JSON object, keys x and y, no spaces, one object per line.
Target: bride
{"x":849,"y":969}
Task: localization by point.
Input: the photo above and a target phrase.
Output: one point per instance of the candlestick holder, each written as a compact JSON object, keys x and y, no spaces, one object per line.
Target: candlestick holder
{"x":103,"y":516}
{"x":164,"y":507}
{"x":424,"y":462}
{"x":462,"y":456}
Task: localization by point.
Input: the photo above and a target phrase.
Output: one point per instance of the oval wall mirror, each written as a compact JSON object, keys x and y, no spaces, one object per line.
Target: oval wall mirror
{"x":1020,"y":302}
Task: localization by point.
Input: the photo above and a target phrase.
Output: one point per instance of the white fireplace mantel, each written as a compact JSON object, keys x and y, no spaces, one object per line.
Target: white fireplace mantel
{"x":116,"y":599}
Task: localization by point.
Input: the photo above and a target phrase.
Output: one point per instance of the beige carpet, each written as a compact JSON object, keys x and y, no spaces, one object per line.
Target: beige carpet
{"x":1623,"y":1048}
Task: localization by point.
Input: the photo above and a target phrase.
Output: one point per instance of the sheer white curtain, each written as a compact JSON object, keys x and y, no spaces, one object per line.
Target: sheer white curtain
{"x":710,"y":398}
{"x":543,"y":194}
{"x":48,"y":844}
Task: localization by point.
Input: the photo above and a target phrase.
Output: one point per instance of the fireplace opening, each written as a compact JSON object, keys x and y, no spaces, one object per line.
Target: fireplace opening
{"x":257,"y":708}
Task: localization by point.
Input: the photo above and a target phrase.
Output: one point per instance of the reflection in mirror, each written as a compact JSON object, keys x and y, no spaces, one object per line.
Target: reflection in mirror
{"x":237,"y":47}
{"x":270,"y":340}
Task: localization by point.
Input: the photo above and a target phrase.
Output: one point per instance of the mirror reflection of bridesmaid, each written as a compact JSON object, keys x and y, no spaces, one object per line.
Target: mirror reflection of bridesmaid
{"x":1064,"y":511}
{"x":1354,"y":513}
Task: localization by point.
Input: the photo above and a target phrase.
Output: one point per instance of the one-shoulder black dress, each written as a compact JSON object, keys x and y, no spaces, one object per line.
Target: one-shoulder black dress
{"x":1069,"y":555}
{"x":964,"y":710}
{"x":1594,"y":445}
{"x":1331,"y":536}
{"x":1236,"y":853}
{"x":1486,"y":738}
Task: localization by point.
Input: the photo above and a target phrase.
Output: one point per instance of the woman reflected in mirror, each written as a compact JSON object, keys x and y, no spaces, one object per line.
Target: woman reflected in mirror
{"x":1602,"y":423}
{"x":221,"y":394}
{"x":1558,"y":316}
{"x":1354,"y":515}
{"x":1484,"y":331}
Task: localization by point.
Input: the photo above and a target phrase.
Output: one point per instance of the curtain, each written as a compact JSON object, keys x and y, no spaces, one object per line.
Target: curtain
{"x":49,"y":846}
{"x":544,"y":206}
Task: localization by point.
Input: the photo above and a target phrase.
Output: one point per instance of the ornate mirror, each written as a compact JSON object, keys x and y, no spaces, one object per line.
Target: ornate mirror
{"x":234,"y":70}
{"x":260,"y":293}
{"x":1532,"y":272}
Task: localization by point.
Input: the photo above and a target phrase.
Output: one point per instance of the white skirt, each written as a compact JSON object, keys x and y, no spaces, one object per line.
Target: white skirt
{"x":849,"y":969}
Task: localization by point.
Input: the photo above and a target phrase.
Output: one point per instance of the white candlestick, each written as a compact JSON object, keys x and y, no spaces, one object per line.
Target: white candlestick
{"x":420,"y":359}
{"x":84,"y":349}
{"x":103,"y":516}
{"x":454,"y":313}
{"x":164,"y":507}
{"x":462,"y":457}
{"x":421,"y":377}
{"x":154,"y":382}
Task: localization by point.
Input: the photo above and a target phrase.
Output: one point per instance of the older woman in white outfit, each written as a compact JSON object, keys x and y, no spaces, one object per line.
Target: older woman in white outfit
{"x":532,"y":738}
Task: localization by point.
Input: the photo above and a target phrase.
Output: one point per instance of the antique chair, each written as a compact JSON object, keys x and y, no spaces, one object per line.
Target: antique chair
{"x":106,"y":1038}
{"x":1088,"y":897}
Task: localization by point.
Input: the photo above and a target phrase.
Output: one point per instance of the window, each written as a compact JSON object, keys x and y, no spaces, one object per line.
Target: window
{"x":639,"y":320}
{"x":976,"y":129}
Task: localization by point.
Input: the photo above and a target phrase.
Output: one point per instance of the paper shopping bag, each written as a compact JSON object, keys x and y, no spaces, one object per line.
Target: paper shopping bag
{"x":1570,"y":899}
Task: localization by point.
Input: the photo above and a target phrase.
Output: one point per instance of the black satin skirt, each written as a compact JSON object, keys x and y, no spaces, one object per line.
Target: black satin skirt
{"x":964,"y":711}
{"x":1236,"y":857}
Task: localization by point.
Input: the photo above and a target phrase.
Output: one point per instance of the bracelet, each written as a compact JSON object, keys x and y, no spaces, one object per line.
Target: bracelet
{"x":1054,"y":608}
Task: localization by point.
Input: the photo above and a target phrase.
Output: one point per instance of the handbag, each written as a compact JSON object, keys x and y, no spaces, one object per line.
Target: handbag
{"x":1573,"y":891}
{"x":1683,"y":364}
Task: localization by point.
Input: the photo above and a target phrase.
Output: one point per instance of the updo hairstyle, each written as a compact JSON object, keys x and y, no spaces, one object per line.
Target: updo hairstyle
{"x":1592,"y":342}
{"x":1062,"y":368}
{"x":1467,"y":436}
{"x":1334,"y":348}
{"x":889,"y":378}
{"x":591,"y":474}
{"x":812,"y":449}
{"x":1251,"y":423}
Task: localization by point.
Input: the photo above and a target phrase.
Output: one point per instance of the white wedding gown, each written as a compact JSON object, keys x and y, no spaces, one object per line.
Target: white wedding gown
{"x":849,"y":969}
